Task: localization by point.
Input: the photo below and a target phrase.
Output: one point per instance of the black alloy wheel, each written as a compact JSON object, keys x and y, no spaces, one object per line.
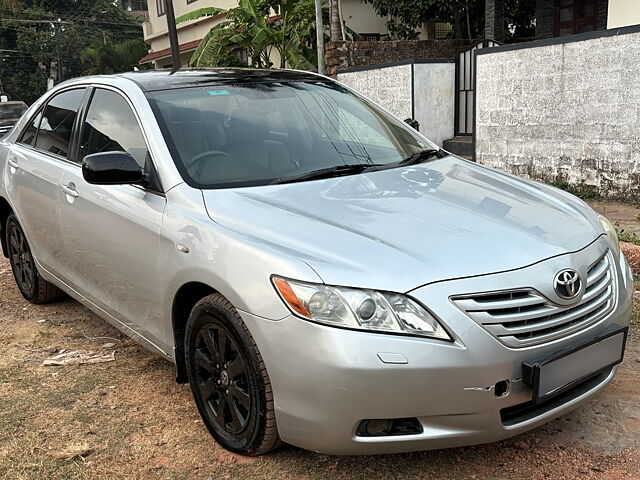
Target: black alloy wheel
{"x":31,"y":284}
{"x":21,"y":259}
{"x":228,"y":378}
{"x":221,"y":379}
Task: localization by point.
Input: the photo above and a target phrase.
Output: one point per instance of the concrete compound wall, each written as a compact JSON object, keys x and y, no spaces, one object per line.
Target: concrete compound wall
{"x":564,"y":111}
{"x":421,"y":90}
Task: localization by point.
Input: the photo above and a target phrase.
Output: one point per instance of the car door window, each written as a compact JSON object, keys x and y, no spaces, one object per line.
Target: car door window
{"x":56,"y":126}
{"x":112,"y":126}
{"x":28,"y":136}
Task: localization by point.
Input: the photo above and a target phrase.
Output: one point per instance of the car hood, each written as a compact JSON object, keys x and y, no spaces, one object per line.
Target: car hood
{"x":401,"y":228}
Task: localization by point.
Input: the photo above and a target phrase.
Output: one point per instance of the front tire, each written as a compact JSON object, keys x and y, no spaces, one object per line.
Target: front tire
{"x":228,"y":379}
{"x":32,"y":285}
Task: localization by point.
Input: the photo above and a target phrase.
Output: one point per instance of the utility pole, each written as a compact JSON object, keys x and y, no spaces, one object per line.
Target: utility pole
{"x":173,"y":36}
{"x":320,"y":37}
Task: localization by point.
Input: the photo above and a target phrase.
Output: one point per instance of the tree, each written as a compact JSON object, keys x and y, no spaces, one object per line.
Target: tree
{"x":121,"y":57}
{"x":251,"y":26}
{"x":39,"y":37}
{"x":520,"y":17}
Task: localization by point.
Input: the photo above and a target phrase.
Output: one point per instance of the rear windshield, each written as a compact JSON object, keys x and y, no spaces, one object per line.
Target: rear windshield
{"x":249,"y":134}
{"x":11,"y":111}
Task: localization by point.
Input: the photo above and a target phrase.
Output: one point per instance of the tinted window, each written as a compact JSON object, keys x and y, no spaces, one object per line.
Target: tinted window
{"x":29,"y":133}
{"x":111,"y":126}
{"x":11,"y":111}
{"x":56,"y":126}
{"x":253,"y":133}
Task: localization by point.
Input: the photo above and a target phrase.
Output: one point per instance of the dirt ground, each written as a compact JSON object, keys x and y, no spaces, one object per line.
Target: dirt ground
{"x":129,"y":419}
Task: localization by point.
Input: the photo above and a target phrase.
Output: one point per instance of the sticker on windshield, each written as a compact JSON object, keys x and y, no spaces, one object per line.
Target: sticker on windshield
{"x":218,"y":92}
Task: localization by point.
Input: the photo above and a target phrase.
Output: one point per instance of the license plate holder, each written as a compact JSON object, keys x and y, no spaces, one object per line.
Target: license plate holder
{"x":560,"y":371}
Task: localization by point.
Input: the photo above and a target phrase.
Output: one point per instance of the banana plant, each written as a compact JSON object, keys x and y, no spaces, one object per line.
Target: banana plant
{"x":253,"y":26}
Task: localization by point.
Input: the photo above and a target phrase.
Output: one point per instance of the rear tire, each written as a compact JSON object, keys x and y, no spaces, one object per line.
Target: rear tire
{"x":228,"y":379}
{"x":33,"y":287}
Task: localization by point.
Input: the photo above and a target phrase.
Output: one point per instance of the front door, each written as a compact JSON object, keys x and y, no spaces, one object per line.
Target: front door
{"x":34,"y":169}
{"x":112,"y":232}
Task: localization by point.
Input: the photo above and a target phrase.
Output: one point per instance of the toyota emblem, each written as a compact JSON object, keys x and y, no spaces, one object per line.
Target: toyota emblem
{"x":568,"y":284}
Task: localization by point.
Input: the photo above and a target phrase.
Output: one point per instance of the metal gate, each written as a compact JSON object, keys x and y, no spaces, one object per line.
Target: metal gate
{"x":465,"y":85}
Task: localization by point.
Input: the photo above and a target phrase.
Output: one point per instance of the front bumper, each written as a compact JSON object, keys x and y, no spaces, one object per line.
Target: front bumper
{"x":327,"y":380}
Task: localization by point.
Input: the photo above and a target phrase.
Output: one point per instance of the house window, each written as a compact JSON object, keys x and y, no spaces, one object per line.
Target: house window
{"x":161,"y":7}
{"x":191,"y":1}
{"x":575,"y":16}
{"x":369,"y":37}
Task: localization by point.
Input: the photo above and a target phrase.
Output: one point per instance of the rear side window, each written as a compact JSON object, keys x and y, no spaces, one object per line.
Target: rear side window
{"x":29,"y":134}
{"x":112,"y":126}
{"x":56,"y":126}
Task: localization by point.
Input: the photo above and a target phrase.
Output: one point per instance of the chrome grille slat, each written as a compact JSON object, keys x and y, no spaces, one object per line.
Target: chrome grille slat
{"x":571,"y":315}
{"x":524,"y":317}
{"x":597,"y":272}
{"x":470,"y":304}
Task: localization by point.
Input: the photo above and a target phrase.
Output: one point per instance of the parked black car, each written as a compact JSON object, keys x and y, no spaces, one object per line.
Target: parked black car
{"x":10,"y":113}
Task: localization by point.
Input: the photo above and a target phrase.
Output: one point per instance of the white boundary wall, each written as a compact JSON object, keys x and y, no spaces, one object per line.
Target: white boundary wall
{"x":424,"y":90}
{"x":564,"y":111}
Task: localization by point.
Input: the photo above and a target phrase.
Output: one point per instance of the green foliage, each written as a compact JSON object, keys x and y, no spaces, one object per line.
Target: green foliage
{"x":199,"y":13}
{"x":35,"y":33}
{"x":249,"y":27}
{"x":581,"y":190}
{"x":117,"y":58}
{"x":406,"y":16}
{"x":520,"y":17}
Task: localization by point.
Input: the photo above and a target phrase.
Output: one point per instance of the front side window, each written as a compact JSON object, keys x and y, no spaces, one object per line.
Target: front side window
{"x":111,"y":126}
{"x":253,"y":133}
{"x":56,"y":126}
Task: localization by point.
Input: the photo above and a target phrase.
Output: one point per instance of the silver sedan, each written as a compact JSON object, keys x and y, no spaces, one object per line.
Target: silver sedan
{"x":319,"y":272}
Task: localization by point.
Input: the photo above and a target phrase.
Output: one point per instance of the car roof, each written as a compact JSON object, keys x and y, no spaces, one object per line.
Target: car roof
{"x":153,"y":80}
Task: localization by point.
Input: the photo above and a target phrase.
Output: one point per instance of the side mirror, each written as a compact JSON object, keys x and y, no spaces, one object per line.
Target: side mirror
{"x":413,"y":123}
{"x":111,"y":168}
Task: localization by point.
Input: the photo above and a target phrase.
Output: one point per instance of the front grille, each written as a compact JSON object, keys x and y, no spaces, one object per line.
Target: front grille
{"x":520,"y":318}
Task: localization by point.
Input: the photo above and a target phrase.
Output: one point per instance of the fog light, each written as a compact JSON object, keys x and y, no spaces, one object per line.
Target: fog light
{"x":382,"y":427}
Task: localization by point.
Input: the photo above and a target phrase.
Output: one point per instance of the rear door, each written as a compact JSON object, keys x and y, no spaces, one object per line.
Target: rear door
{"x":112,"y":232}
{"x":34,"y":170}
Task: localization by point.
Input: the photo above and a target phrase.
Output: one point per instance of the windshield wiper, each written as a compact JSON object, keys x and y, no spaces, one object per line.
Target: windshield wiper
{"x":419,"y":157}
{"x":337,"y":171}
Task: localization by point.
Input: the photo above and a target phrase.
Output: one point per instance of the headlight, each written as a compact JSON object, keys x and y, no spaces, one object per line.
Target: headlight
{"x":611,"y":233}
{"x":358,"y":309}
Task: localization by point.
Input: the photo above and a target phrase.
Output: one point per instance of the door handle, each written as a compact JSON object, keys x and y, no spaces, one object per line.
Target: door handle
{"x":70,"y":190}
{"x":13,"y":164}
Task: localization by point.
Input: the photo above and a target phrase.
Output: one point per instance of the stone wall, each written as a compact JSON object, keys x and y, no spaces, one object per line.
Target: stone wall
{"x":564,"y":112}
{"x":345,"y":55}
{"x":389,"y":86}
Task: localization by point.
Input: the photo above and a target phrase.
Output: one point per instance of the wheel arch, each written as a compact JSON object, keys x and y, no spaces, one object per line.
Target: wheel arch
{"x":183,"y":302}
{"x":5,"y":211}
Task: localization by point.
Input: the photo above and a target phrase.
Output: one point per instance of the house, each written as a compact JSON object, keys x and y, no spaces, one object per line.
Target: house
{"x":559,"y":18}
{"x":358,"y":16}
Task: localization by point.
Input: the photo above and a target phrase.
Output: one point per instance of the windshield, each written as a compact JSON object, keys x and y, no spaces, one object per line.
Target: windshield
{"x":249,"y":134}
{"x":11,"y":111}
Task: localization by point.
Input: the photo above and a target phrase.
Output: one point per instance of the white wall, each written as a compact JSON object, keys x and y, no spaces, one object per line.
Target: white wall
{"x":623,"y":13}
{"x":388,"y":86}
{"x":434,"y":99}
{"x":565,"y":112}
{"x":433,"y":94}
